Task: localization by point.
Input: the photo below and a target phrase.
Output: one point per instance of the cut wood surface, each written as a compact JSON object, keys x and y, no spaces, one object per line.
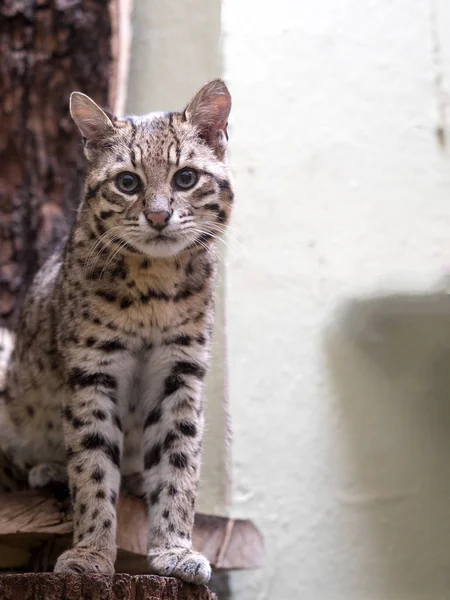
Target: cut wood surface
{"x":35,"y":528}
{"x":97,"y":587}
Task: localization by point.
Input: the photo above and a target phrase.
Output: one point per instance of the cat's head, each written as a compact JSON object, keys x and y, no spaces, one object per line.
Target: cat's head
{"x":159,"y":183}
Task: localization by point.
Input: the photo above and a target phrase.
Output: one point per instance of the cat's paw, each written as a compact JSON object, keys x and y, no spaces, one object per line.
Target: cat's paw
{"x":45,"y":474}
{"x":183,"y":563}
{"x":83,"y":560}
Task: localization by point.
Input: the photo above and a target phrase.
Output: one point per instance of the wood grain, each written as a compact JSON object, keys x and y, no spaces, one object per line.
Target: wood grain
{"x":37,"y":528}
{"x":120,"y":587}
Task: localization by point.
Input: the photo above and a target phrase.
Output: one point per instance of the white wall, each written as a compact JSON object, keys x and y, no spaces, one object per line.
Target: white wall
{"x":342,"y":438}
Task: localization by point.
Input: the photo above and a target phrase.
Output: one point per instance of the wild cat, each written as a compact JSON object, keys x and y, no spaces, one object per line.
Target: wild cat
{"x":103,"y":379}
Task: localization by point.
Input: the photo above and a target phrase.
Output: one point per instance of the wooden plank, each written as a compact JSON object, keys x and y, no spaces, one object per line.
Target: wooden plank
{"x":34,"y":524}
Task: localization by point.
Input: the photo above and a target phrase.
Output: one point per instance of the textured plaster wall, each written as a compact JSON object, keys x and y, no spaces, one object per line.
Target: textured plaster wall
{"x":341,"y":420}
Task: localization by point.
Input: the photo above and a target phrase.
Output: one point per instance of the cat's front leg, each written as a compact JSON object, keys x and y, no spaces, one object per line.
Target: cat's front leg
{"x":173,"y":432}
{"x":94,"y":440}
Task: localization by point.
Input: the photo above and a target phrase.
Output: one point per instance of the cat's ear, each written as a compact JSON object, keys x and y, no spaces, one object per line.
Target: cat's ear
{"x":93,"y":123}
{"x":208,"y":111}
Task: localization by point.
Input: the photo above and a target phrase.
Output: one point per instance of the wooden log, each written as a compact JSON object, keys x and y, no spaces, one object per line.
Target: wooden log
{"x":97,"y":587}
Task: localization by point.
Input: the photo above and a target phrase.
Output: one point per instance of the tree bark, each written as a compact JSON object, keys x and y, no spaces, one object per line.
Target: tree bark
{"x":98,"y":587}
{"x":48,"y":49}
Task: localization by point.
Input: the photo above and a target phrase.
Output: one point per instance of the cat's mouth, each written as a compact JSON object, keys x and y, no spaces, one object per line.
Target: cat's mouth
{"x":161,"y":244}
{"x":161,"y":238}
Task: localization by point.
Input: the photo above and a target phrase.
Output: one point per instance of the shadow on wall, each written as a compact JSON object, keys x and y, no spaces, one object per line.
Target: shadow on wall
{"x":390,"y":365}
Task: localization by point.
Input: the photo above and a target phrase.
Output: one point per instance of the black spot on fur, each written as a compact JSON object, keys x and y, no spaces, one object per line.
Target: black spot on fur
{"x":222,"y":183}
{"x":166,"y":514}
{"x":105,"y":214}
{"x":30,"y":410}
{"x":172,"y":490}
{"x":81,"y":378}
{"x":100,"y":495}
{"x":92,"y":191}
{"x":152,"y":457}
{"x":90,"y":341}
{"x":179,"y":460}
{"x":117,"y":422}
{"x":99,"y":225}
{"x":169,"y":440}
{"x":183,"y":295}
{"x":199,"y":194}
{"x":108,"y":296}
{"x":189,"y":368}
{"x":180,"y":340}
{"x":222,"y":216}
{"x":83,"y":508}
{"x":154,"y":496}
{"x":96,"y":441}
{"x":111,"y":346}
{"x":67,"y":413}
{"x":95,"y":513}
{"x":172,"y":383}
{"x":119,"y":271}
{"x":153,"y":417}
{"x":99,"y":414}
{"x":154,"y":295}
{"x":188,"y":429}
{"x":213,"y":206}
{"x":98,"y":475}
{"x":126,"y":302}
{"x":78,"y":423}
{"x":107,"y":524}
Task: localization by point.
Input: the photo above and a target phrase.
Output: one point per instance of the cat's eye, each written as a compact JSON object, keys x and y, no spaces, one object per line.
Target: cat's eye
{"x":128,"y":182}
{"x":185,"y":179}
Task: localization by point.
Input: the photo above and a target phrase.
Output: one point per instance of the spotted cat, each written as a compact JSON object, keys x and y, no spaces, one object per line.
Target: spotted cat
{"x":102,"y":383}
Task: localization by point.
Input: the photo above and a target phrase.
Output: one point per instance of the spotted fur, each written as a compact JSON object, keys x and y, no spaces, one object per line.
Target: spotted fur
{"x":104,"y":379}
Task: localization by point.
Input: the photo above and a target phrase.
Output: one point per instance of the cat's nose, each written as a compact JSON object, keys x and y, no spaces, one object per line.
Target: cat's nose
{"x":158,"y":220}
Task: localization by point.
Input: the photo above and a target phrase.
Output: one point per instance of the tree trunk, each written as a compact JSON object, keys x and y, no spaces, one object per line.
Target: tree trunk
{"x":48,"y":48}
{"x":98,"y":587}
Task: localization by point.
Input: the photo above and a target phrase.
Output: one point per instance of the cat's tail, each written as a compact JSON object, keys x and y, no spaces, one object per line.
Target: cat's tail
{"x":7,"y":340}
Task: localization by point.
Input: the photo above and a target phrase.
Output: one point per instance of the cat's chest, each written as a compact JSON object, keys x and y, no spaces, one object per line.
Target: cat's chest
{"x":145,"y":309}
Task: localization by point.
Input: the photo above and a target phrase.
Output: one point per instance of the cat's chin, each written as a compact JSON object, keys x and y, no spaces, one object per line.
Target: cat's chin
{"x":162,"y":248}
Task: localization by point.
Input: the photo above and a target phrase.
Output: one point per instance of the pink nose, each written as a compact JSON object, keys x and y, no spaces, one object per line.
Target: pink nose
{"x":158,"y":220}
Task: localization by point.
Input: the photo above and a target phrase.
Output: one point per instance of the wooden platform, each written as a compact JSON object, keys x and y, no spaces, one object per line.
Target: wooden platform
{"x":97,"y":587}
{"x":35,"y":528}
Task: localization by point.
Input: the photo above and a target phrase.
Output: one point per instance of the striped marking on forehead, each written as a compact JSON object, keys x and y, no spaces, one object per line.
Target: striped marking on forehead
{"x":148,"y":119}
